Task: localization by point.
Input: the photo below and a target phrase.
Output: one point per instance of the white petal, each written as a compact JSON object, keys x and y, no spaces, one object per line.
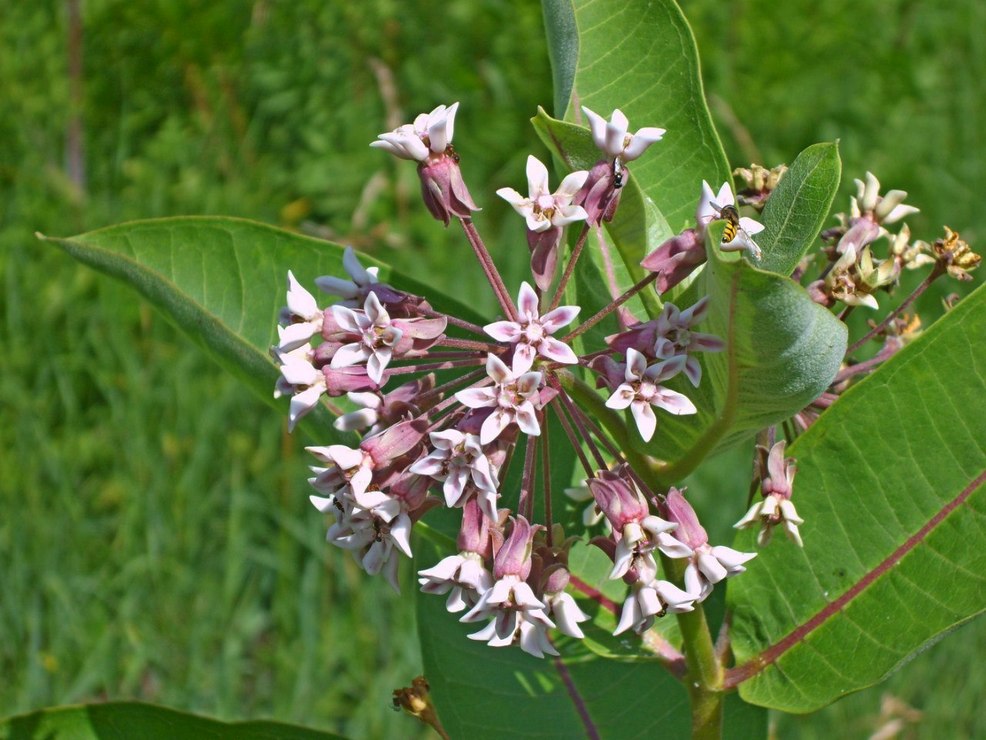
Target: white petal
{"x":537,"y":177}
{"x":300,"y":301}
{"x":640,"y":141}
{"x":750,"y":226}
{"x":597,"y":125}
{"x":643,"y":414}
{"x":514,"y":198}
{"x":572,"y":184}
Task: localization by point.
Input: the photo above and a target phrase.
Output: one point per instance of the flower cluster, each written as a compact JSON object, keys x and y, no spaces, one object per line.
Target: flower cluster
{"x":446,"y":406}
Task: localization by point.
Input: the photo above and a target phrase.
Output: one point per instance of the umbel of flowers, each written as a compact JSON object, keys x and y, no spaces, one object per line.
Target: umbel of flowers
{"x":428,"y":442}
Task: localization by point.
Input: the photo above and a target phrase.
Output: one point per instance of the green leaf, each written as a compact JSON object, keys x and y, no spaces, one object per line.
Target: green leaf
{"x":121,"y":720}
{"x":640,"y":56}
{"x":222,"y":281}
{"x":798,"y":207}
{"x":890,"y":484}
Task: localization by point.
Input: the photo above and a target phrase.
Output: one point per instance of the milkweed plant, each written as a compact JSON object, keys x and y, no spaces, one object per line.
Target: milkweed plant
{"x":532,"y":465}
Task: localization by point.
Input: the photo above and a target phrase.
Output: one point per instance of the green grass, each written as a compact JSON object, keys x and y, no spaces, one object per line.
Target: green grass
{"x":156,"y":541}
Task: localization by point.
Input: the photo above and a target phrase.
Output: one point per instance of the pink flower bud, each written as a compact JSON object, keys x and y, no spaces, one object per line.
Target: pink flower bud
{"x":395,"y":441}
{"x":514,"y":556}
{"x":618,"y":498}
{"x":342,"y":380}
{"x":677,"y":510}
{"x":474,"y":532}
{"x":600,"y":194}
{"x":676,"y":259}
{"x":443,"y":189}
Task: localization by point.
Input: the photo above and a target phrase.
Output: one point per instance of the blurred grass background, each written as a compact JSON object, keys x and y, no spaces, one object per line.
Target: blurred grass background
{"x":156,"y":541}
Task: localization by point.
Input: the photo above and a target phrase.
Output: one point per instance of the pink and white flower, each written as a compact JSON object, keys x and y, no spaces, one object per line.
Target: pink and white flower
{"x":457,"y":460}
{"x":532,"y":333}
{"x":512,"y":396}
{"x":377,"y":337}
{"x":641,"y":392}
{"x":648,"y":600}
{"x":543,"y":209}
{"x":429,"y":133}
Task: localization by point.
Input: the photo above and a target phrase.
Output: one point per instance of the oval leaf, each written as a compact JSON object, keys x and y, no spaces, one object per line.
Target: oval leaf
{"x":640,"y":56}
{"x":890,"y":484}
{"x":798,"y":207}
{"x":222,"y":281}
{"x":146,"y":721}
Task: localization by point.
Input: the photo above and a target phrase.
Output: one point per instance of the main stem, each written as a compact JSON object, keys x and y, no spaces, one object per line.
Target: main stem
{"x":705,"y":672}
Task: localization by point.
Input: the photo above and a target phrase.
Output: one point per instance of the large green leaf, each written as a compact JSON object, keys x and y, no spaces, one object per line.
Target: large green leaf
{"x":640,"y":56}
{"x":799,"y":206}
{"x":890,"y":484}
{"x":222,"y":281}
{"x":122,"y":720}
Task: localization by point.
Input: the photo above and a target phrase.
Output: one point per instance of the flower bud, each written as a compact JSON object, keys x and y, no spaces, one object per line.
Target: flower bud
{"x":676,"y":509}
{"x":618,"y":498}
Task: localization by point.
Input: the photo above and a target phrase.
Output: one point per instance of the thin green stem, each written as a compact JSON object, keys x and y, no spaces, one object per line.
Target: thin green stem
{"x":705,"y":673}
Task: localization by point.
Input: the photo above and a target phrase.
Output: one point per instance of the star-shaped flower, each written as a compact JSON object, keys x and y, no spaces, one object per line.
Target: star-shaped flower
{"x":458,"y":459}
{"x":512,"y":396}
{"x":377,"y":337}
{"x":532,"y":333}
{"x":544,"y":209}
{"x":640,"y":392}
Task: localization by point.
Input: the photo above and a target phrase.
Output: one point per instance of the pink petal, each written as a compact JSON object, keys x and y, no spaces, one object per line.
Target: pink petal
{"x":495,"y":424}
{"x":558,"y":351}
{"x":527,"y":419}
{"x":523,"y":358}
{"x":559,"y":317}
{"x":495,"y":368}
{"x":674,"y":403}
{"x":349,"y":355}
{"x":476,"y":398}
{"x":504,"y":331}
{"x":693,"y":371}
{"x":622,"y":397}
{"x":527,"y":302}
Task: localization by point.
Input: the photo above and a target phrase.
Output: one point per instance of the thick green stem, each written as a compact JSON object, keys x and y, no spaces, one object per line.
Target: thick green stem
{"x":705,"y":672}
